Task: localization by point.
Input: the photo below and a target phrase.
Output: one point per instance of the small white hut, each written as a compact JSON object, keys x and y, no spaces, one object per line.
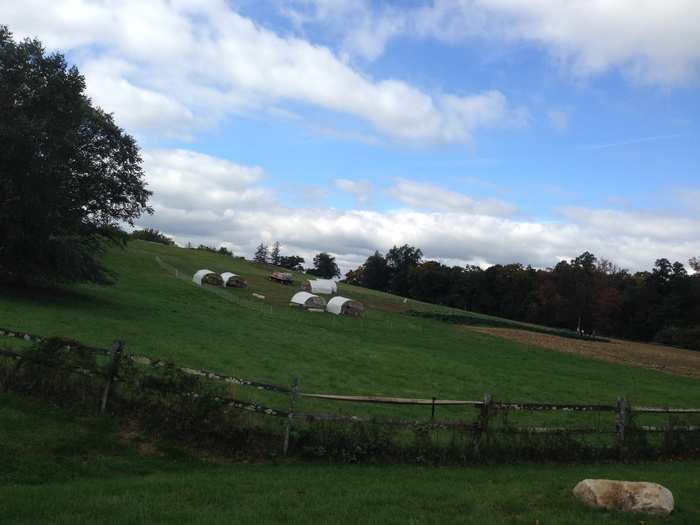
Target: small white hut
{"x":308,"y":301}
{"x":321,"y":286}
{"x":343,"y":306}
{"x":232,"y":280}
{"x":202,"y":277}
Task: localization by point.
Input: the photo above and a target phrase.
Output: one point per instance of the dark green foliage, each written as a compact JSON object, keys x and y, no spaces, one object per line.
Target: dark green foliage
{"x":68,"y":174}
{"x":222,"y":250}
{"x":275,"y":254}
{"x":166,"y":402}
{"x":261,"y":253}
{"x":291,"y":262}
{"x":468,"y":320}
{"x":585,"y":294}
{"x":401,"y":262}
{"x":374,"y":273}
{"x":59,"y":370}
{"x":324,"y":266}
{"x":151,"y":235}
{"x":682,"y":337}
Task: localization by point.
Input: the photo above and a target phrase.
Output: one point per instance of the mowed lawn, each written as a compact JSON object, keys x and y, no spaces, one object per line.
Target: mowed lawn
{"x":58,"y":468}
{"x":385,"y":352}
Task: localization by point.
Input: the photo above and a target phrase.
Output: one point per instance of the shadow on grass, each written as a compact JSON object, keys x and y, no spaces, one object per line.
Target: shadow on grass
{"x":61,"y":295}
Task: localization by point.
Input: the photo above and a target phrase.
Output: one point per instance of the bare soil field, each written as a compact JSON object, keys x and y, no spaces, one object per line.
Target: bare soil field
{"x":664,"y":358}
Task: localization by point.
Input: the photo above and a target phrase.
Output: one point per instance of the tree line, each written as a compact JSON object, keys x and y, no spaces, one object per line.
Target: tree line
{"x":586,"y":293}
{"x":324,"y":263}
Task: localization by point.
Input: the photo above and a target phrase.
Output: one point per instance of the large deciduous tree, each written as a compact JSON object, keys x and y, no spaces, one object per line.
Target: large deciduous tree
{"x":69,"y":176}
{"x":324,"y":266}
{"x":401,"y":261}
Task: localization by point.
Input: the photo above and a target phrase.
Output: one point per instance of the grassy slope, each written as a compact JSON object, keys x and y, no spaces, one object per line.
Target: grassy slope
{"x":384,"y":353}
{"x":55,"y":468}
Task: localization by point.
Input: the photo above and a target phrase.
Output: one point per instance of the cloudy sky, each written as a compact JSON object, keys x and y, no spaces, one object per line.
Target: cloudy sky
{"x":482,"y":131}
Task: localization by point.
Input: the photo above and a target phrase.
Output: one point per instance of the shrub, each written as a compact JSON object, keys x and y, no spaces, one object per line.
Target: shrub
{"x":684,"y":337}
{"x":152,"y":235}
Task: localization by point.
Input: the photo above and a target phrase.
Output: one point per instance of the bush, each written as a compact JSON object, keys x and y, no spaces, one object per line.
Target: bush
{"x":677,"y":336}
{"x":152,"y":235}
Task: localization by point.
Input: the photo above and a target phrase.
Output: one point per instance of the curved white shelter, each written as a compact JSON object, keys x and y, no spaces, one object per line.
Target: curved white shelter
{"x":308,"y":301}
{"x":322,"y":286}
{"x":207,"y":277}
{"x":343,"y":306}
{"x":232,"y":280}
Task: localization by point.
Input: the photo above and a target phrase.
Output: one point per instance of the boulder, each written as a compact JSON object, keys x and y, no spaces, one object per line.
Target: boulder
{"x":626,"y":496}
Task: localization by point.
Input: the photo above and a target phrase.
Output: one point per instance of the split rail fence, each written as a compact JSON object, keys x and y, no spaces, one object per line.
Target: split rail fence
{"x":486,"y":408}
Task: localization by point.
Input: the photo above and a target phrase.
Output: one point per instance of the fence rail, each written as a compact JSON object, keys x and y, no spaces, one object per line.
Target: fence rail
{"x":486,"y":407}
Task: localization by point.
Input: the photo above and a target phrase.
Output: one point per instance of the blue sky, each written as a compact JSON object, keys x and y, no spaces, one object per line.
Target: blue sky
{"x":483,"y":131}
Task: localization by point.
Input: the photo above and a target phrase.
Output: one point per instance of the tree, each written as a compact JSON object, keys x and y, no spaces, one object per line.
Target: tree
{"x":275,"y":254}
{"x":400,"y":261}
{"x":291,"y":262}
{"x":69,"y":175}
{"x":375,"y":273}
{"x":260,"y":253}
{"x":324,"y":266}
{"x":694,"y":263}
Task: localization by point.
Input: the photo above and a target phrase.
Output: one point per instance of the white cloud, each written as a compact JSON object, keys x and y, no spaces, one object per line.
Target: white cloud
{"x":423,"y":196}
{"x":204,"y":199}
{"x":193,"y":181}
{"x":360,"y":189}
{"x":139,"y":108}
{"x":652,"y":41}
{"x":158,"y":63}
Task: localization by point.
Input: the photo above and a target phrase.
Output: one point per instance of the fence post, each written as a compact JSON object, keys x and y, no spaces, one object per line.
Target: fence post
{"x":620,"y":424}
{"x":483,"y":422}
{"x":432,"y":412}
{"x":290,"y":415}
{"x":116,"y":351}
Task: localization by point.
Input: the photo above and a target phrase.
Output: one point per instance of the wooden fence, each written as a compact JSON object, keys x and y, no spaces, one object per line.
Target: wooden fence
{"x":486,"y":408}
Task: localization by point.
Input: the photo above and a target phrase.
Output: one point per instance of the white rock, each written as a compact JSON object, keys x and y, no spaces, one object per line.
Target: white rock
{"x":626,"y":496}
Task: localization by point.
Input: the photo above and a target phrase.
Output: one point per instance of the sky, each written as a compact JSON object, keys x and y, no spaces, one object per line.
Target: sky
{"x":481,"y":131}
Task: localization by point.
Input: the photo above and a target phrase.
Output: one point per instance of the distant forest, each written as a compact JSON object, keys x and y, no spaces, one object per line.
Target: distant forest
{"x":585,"y":293}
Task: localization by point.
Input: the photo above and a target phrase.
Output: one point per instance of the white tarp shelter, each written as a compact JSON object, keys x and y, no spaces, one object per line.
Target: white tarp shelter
{"x":322,"y":286}
{"x":344,"y":306}
{"x":308,"y":301}
{"x":233,"y":280}
{"x":207,"y":277}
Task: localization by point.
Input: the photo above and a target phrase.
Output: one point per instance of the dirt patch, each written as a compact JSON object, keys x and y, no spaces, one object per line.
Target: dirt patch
{"x":664,"y":358}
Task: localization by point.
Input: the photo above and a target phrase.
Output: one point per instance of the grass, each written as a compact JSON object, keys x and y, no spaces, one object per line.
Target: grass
{"x":58,"y":468}
{"x":386,"y":353}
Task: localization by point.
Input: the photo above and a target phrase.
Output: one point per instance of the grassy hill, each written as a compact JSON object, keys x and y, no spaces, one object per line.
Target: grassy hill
{"x":229,"y":331}
{"x":58,"y":467}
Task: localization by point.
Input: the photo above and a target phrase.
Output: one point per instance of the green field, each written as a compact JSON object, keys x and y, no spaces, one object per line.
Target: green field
{"x":162,"y":316}
{"x":51,"y":460}
{"x":59,"y":468}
